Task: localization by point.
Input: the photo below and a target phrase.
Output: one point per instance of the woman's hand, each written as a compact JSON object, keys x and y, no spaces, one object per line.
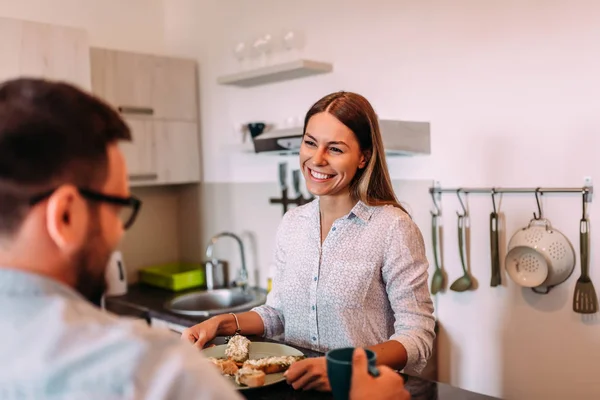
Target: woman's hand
{"x":201,"y":333}
{"x":309,"y":374}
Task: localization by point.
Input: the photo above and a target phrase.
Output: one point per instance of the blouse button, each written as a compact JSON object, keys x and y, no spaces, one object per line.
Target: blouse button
{"x":333,"y":229}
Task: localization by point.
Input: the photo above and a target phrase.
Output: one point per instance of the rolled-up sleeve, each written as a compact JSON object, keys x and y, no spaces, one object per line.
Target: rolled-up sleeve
{"x":405,"y":276}
{"x":271,"y":312}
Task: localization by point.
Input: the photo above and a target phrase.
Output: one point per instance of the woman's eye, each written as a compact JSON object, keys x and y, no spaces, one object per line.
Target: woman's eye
{"x":335,"y":150}
{"x":309,"y":143}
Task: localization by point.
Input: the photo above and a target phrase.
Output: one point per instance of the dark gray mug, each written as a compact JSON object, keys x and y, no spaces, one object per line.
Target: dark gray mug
{"x":339,"y":370}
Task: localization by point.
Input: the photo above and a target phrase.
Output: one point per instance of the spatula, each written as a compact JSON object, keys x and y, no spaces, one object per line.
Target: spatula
{"x":495,"y":252}
{"x":585,"y":300}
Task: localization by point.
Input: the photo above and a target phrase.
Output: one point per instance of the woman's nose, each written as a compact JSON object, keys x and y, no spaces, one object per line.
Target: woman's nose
{"x":318,"y":157}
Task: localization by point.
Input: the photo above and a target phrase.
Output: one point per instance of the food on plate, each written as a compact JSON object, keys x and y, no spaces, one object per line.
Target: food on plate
{"x":227,"y":367}
{"x":250,"y":377}
{"x":272,"y":365}
{"x":236,"y":363}
{"x":238,"y":349}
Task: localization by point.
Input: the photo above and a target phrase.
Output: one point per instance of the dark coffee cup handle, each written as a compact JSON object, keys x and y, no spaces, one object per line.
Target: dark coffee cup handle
{"x":373,"y":371}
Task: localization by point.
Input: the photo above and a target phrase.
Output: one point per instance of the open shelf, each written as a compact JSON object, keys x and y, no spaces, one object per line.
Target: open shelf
{"x":276,"y":73}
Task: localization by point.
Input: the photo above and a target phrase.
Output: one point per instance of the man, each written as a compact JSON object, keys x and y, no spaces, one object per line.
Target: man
{"x":64,"y":205}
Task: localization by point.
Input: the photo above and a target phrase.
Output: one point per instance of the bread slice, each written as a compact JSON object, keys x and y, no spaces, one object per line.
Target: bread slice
{"x":272,"y":365}
{"x":226,"y":366}
{"x":238,"y":349}
{"x":250,"y":377}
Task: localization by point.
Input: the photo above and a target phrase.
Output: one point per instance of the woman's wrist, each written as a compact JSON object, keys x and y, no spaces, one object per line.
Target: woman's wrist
{"x":226,"y":325}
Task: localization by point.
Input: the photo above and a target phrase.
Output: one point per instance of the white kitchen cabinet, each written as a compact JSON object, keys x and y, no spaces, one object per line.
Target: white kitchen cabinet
{"x":35,"y":49}
{"x":146,"y":85}
{"x":162,"y":152}
{"x":178,"y":148}
{"x":140,"y":153}
{"x":124,"y":80}
{"x":175,"y":83}
{"x":157,"y":96}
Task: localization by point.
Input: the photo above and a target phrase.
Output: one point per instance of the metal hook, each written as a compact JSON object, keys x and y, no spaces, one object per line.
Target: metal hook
{"x":438,"y":210}
{"x":494,"y":199}
{"x":584,"y":198}
{"x":538,"y":193}
{"x":461,"y":204}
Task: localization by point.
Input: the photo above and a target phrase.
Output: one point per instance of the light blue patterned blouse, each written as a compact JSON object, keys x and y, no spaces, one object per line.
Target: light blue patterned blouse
{"x":56,"y":345}
{"x":365,"y":285}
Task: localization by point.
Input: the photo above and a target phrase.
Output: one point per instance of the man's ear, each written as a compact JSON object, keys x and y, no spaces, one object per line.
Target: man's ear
{"x":364,"y":160}
{"x":67,"y":219}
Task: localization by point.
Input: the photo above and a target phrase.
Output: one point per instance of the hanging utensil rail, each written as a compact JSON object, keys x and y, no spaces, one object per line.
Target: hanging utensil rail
{"x":587,"y":190}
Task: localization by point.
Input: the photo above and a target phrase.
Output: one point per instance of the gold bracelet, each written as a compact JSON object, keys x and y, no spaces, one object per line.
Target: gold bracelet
{"x":238,"y":330}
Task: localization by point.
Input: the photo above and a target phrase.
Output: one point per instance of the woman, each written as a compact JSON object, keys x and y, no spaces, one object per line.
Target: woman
{"x":350,"y":267}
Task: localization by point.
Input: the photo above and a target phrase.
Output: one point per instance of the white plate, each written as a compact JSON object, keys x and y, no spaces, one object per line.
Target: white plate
{"x":526,"y":266}
{"x":257,"y":350}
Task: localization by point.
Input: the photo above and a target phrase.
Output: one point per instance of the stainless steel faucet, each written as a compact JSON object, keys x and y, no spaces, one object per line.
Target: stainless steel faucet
{"x":242,"y":276}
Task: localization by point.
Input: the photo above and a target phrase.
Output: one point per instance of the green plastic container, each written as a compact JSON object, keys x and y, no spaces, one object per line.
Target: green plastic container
{"x":174,"y":276}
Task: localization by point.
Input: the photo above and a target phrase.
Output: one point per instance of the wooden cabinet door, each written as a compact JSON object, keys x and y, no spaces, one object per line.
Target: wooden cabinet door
{"x":177,"y":152}
{"x":175,"y":87}
{"x":140,"y":153}
{"x":35,"y":49}
{"x":124,"y":79}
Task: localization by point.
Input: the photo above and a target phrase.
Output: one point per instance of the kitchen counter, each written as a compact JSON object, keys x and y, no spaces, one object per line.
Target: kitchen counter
{"x":147,"y":303}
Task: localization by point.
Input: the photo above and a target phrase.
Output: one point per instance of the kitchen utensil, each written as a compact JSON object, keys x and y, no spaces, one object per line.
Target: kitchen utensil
{"x":296,"y":182}
{"x":115,"y":275}
{"x":464,"y":282}
{"x":494,"y":244}
{"x":585,"y":300}
{"x":257,"y":350}
{"x":494,"y":250}
{"x":437,"y":281}
{"x":283,"y":176}
{"x":539,"y":256}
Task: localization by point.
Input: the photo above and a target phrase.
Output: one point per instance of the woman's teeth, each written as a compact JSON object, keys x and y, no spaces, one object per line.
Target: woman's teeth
{"x":319,"y":175}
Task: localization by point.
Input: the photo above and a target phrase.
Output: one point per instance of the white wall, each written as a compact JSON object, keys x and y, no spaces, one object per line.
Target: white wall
{"x":510,"y":88}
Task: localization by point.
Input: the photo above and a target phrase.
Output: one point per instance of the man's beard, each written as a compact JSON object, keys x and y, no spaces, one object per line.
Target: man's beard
{"x":91,"y":263}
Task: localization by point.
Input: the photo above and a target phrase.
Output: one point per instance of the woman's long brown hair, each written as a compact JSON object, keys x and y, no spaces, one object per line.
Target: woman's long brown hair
{"x":371,"y":185}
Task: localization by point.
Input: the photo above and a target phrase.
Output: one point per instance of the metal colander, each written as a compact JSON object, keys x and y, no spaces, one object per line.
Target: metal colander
{"x":539,"y":256}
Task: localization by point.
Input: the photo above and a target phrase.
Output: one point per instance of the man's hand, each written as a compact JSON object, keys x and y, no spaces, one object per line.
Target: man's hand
{"x":309,"y":374}
{"x":388,"y":385}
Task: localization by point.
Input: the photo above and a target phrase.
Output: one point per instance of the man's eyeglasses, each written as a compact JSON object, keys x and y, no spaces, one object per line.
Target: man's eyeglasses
{"x":130,"y":206}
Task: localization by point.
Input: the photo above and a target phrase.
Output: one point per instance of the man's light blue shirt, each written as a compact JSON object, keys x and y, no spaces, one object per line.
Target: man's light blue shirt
{"x":54,"y":344}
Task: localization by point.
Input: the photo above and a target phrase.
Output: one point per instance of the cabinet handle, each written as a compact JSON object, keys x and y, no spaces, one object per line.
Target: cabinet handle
{"x":143,"y":177}
{"x":135,"y":110}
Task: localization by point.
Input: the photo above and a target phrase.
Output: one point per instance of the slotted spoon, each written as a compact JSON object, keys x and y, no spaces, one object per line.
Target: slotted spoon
{"x":585,"y":300}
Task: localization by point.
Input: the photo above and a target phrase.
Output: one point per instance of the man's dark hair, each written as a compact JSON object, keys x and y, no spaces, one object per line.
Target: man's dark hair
{"x":51,"y":133}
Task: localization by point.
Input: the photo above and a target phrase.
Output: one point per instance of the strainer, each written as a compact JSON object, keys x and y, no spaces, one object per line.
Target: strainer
{"x":539,"y":256}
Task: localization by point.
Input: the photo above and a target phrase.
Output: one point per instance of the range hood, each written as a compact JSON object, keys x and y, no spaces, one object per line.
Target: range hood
{"x":400,"y":138}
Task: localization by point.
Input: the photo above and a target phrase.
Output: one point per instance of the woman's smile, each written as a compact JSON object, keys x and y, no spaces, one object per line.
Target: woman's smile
{"x":319,"y":176}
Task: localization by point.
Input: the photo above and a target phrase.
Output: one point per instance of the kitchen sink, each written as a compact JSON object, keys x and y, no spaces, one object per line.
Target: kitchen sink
{"x":207,"y":303}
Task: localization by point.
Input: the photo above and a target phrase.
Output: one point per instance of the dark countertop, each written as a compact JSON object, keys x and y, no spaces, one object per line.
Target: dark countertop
{"x":147,"y":302}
